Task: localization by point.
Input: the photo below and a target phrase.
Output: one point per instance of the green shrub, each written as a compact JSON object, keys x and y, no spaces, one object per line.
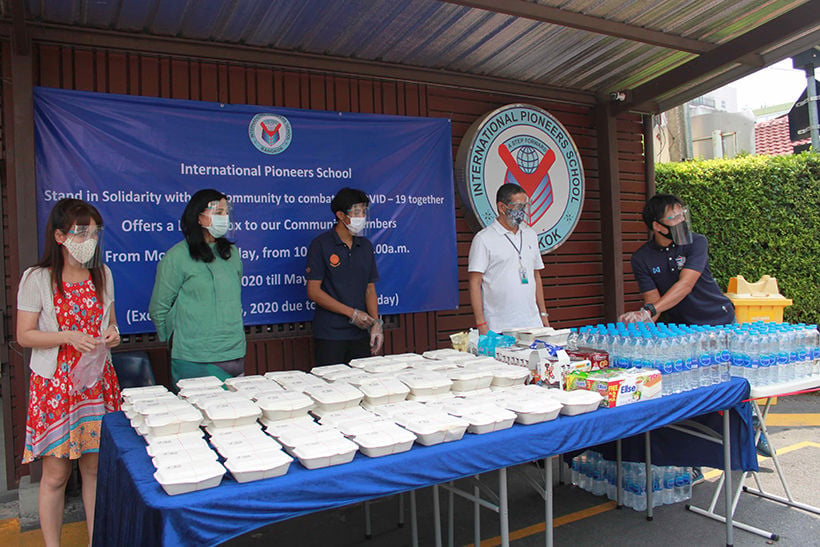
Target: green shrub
{"x":761,"y":215}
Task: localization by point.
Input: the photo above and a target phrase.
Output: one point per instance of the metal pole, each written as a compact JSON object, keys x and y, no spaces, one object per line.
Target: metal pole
{"x":811,"y":103}
{"x":548,"y":499}
{"x":503,"y":509}
{"x":727,"y":472}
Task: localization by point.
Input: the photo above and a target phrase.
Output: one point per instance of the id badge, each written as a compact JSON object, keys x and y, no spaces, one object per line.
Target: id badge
{"x":522,"y":273}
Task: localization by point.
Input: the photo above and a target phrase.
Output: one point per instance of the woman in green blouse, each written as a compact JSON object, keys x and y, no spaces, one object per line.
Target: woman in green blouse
{"x":196,"y":304}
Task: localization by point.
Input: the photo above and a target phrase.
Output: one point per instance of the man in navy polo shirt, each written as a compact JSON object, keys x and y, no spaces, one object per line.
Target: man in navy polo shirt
{"x":341,"y":280}
{"x":672,"y":270}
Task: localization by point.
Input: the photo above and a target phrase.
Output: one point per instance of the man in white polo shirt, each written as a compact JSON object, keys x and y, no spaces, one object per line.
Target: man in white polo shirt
{"x":505,"y":268}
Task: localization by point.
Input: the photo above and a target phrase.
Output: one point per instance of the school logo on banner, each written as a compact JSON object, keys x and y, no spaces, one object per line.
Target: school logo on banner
{"x":270,"y":133}
{"x":524,"y":145}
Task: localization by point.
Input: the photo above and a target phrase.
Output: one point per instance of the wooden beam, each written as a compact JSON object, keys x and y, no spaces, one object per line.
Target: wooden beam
{"x":611,"y":233}
{"x":19,"y":37}
{"x":598,"y":25}
{"x":159,"y":45}
{"x":800,"y":19}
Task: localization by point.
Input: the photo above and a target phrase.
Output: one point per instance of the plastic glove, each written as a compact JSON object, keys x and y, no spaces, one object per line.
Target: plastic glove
{"x":376,"y":338}
{"x":640,"y":316}
{"x":361,"y":319}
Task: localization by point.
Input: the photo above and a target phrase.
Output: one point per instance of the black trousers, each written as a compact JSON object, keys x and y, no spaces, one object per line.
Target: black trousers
{"x":332,"y":352}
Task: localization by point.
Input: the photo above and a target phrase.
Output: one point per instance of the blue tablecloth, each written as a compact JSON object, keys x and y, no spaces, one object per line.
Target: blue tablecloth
{"x":132,"y":508}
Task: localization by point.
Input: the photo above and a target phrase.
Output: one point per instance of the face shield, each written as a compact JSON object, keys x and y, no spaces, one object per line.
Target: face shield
{"x":83,"y":243}
{"x":219,"y":213}
{"x":358,"y":218}
{"x":517,"y":212}
{"x":679,"y":224}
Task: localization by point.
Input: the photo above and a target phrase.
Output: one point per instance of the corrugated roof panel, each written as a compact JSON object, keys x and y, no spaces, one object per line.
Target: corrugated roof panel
{"x":133,"y":15}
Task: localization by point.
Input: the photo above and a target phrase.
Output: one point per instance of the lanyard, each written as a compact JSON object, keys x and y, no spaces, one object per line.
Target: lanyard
{"x":520,"y":242}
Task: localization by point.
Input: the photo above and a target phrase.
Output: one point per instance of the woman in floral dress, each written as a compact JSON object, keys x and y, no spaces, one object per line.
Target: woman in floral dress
{"x":65,"y":307}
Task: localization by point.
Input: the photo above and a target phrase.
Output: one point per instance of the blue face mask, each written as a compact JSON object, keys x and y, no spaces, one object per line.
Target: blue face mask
{"x":516,"y":216}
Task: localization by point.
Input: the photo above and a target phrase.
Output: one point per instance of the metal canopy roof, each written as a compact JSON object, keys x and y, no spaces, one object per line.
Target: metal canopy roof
{"x":652,"y":54}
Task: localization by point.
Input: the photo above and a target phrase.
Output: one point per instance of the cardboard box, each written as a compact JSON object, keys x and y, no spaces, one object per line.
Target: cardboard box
{"x":618,"y":386}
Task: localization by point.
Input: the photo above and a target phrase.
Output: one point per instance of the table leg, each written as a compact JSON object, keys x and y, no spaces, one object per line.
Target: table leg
{"x":414,"y":522}
{"x":503,"y":508}
{"x":548,"y":510}
{"x":436,"y":515}
{"x":727,"y":473}
{"x":649,"y":493}
{"x":450,"y":516}
{"x":619,"y":475}
{"x":368,"y":531}
{"x":476,"y":513}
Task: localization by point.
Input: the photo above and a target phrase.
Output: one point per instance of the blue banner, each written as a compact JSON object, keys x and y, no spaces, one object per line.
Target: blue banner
{"x":139,"y":159}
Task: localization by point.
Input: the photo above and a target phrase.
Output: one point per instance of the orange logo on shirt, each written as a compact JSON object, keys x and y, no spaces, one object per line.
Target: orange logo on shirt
{"x":334,"y":260}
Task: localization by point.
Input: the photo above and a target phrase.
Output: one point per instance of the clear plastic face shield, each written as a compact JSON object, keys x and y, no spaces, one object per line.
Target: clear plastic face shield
{"x":517,"y":210}
{"x":679,"y":224}
{"x":217,"y":219}
{"x":84,"y":244}
{"x":357,"y":216}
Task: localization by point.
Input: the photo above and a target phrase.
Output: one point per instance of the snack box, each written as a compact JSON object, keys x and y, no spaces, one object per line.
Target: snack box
{"x":181,"y":478}
{"x":355,"y":414}
{"x":325,"y":452}
{"x":382,"y":439}
{"x":555,"y":337}
{"x":203,"y":399}
{"x":284,"y":405}
{"x":336,"y":396}
{"x":304,"y":424}
{"x":598,"y":359}
{"x":131,"y":393}
{"x":482,"y":415}
{"x":183,"y":456}
{"x":193,"y":392}
{"x":434,"y":428}
{"x":262,"y":465}
{"x":577,"y":402}
{"x":530,"y":408}
{"x":146,"y":407}
{"x":300,"y":383}
{"x":294,"y":438}
{"x":128,"y":403}
{"x":236,"y":447}
{"x":619,"y":386}
{"x":403,"y":408}
{"x":233,"y":384}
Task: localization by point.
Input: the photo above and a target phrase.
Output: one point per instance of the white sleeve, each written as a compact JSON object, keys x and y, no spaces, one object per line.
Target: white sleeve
{"x":479,"y":255}
{"x":28,"y":294}
{"x":537,"y":260}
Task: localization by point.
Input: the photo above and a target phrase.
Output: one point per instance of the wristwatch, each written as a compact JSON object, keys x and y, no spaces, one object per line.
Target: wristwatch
{"x":544,"y":314}
{"x":651,"y":309}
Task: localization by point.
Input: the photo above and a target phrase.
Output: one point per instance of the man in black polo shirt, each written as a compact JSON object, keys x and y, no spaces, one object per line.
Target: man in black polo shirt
{"x":341,"y":280}
{"x":672,"y":270}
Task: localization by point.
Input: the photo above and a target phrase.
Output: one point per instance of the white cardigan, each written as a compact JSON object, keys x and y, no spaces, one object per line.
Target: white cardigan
{"x":36,"y":295}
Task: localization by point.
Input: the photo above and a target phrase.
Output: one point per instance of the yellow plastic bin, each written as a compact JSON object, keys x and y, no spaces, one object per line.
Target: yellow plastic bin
{"x":759,"y":301}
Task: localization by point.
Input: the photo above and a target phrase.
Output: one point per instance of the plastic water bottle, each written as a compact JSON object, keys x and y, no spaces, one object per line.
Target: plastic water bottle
{"x":639,"y":351}
{"x":768,"y":358}
{"x":669,"y":484}
{"x":575,"y":473}
{"x":597,"y":467}
{"x":782,"y":338}
{"x":690,"y":365}
{"x":814,"y":344}
{"x":667,"y":368}
{"x":657,"y":486}
{"x":678,"y":363}
{"x":611,"y":480}
{"x":682,"y":479}
{"x":725,"y":355}
{"x":639,"y":487}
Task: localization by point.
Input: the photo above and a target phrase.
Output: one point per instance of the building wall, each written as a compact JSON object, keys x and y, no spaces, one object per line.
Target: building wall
{"x":573,"y":278}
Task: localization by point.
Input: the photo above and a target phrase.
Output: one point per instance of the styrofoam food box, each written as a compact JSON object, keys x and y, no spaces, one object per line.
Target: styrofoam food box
{"x":253,"y":378}
{"x":322,"y":370}
{"x":232,"y":449}
{"x":425,"y":383}
{"x":203,"y":399}
{"x":248,"y":432}
{"x":282,"y":427}
{"x":353,"y":414}
{"x":183,"y":456}
{"x":129,"y":394}
{"x":284,"y":405}
{"x":291,"y":439}
{"x":379,"y":391}
{"x":485,"y":418}
{"x":385,"y":366}
{"x":174,"y":443}
{"x":434,"y":428}
{"x":325,"y":453}
{"x":467,"y":380}
{"x":362,"y":361}
{"x":272,"y":375}
{"x":534,"y":410}
{"x":508,"y":375}
{"x":406,"y":357}
{"x":338,"y":396}
{"x":441,"y":353}
{"x":403,"y":408}
{"x":433,"y":365}
{"x":192,"y":392}
{"x":254,"y":467}
{"x":577,"y":402}
{"x":258,"y":392}
{"x":128,"y":402}
{"x":430,"y":398}
{"x":384,"y":440}
{"x":300,"y":383}
{"x":180,"y":420}
{"x":180,"y":479}
{"x":350,"y":375}
{"x":231,"y":413}
{"x":144,"y":408}
{"x":200,"y":382}
{"x":153,"y":439}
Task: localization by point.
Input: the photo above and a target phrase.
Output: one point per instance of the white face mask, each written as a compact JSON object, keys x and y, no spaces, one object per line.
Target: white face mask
{"x":219,"y":225}
{"x":356,"y":225}
{"x":83,"y":252}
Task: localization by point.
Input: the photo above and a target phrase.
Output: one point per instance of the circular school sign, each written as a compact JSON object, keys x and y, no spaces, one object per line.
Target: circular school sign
{"x":524,"y":145}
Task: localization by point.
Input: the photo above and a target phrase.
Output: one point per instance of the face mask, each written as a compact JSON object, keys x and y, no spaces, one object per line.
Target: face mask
{"x":679,"y":233}
{"x":82,"y":252}
{"x":516,"y":216}
{"x":219,"y":225}
{"x":356,"y":225}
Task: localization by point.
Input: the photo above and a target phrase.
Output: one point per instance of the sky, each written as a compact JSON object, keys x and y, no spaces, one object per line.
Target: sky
{"x":774,"y":85}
